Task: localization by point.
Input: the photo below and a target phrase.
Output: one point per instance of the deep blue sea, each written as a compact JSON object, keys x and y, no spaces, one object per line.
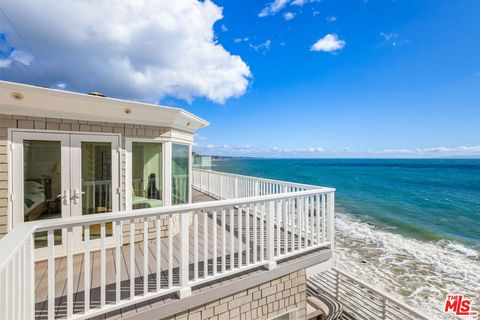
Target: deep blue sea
{"x":411,"y":226}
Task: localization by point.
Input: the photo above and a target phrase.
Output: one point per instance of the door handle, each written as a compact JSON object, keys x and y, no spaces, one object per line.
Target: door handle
{"x":76,"y":196}
{"x":64,"y":197}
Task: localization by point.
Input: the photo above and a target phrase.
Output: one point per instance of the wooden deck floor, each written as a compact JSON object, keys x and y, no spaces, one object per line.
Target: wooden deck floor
{"x":41,"y":274}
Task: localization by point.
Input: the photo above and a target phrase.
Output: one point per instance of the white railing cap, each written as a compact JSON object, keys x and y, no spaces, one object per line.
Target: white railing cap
{"x":13,"y":241}
{"x":284,"y":183}
{"x":176,"y":209}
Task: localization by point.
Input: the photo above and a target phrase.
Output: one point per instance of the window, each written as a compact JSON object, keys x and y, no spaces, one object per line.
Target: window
{"x":180,"y":170}
{"x":147,"y":175}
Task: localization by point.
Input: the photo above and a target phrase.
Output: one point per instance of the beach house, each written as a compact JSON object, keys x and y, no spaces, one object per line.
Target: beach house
{"x":103,"y":215}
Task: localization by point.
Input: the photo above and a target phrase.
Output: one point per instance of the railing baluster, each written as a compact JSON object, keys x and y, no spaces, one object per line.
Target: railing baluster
{"x":247,"y":235}
{"x":214,"y":231}
{"x":86,"y":266}
{"x":205,"y":244}
{"x":132,"y":259}
{"x":103,"y":263}
{"x":170,"y":250}
{"x":195,"y":246}
{"x":118,"y":261}
{"x":330,"y":217}
{"x":240,"y":235}
{"x":255,"y":238}
{"x":318,"y":215}
{"x":324,"y":214}
{"x":262,"y":231}
{"x":224,"y":241}
{"x":285,"y":226}
{"x":15,"y":287}
{"x":232,"y":237}
{"x":270,"y":233}
{"x":145,"y":256}
{"x":21,"y":280}
{"x":185,"y":290}
{"x":300,"y":222}
{"x":278,"y":209}
{"x":293,"y":216}
{"x":311,"y":210}
{"x":51,"y":274}
{"x":8,"y":297}
{"x":3,"y":294}
{"x":30,"y":278}
{"x":305,"y":222}
{"x":69,"y":272}
{"x":158,"y":256}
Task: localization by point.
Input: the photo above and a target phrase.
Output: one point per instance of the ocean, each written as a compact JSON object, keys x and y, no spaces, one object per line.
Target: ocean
{"x":409,"y":226}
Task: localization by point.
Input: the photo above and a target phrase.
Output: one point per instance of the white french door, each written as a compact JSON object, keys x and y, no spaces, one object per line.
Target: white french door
{"x":59,"y":175}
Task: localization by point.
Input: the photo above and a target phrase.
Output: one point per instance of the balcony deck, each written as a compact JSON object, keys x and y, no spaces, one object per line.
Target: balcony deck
{"x":41,"y":277}
{"x":163,"y":260}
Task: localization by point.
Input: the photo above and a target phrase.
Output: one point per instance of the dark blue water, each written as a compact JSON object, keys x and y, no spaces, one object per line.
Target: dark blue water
{"x":423,"y":199}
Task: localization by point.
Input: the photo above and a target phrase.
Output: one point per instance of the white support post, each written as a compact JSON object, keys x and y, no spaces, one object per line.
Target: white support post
{"x":270,"y":236}
{"x":185,"y":290}
{"x":190,"y":172}
{"x":235,"y":189}
{"x":221,"y":186}
{"x":30,"y":307}
{"x":257,"y":188}
{"x":330,"y":217}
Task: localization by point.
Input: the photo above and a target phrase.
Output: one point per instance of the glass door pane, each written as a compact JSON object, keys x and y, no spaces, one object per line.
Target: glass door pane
{"x":147,"y":175}
{"x":180,"y":167}
{"x":42,"y":185}
{"x":97,"y":191}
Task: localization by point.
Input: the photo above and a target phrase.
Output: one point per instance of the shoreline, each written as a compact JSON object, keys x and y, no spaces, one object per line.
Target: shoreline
{"x":419,"y":273}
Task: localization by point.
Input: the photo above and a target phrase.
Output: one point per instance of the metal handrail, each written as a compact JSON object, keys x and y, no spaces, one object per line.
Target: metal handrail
{"x":358,"y":297}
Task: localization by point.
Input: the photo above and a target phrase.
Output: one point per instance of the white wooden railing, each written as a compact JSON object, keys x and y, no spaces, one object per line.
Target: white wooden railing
{"x":231,"y":186}
{"x":362,"y":300}
{"x":189,"y":245}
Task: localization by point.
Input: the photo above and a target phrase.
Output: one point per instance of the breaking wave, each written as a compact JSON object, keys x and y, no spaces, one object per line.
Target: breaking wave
{"x":419,"y":273}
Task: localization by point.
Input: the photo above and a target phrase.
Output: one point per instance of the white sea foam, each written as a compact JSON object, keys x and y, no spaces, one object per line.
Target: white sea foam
{"x":420,"y":273}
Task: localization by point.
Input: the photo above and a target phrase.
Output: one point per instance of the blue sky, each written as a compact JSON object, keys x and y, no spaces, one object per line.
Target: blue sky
{"x":401,"y":79}
{"x":422,"y":92}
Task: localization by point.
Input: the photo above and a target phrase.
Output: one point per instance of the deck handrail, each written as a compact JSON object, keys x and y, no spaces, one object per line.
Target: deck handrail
{"x":274,"y":181}
{"x":302,"y":221}
{"x":361,"y":299}
{"x":42,"y":225}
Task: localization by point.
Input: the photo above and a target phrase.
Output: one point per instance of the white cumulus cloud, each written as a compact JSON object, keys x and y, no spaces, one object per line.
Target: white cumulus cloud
{"x":144,"y":49}
{"x":262,"y":47}
{"x":273,"y":7}
{"x":5,"y":63}
{"x":288,"y":15}
{"x":22,"y":57}
{"x":328,"y":43}
{"x":302,"y":2}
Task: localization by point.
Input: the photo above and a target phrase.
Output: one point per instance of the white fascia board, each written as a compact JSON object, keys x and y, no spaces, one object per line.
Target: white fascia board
{"x":44,"y":102}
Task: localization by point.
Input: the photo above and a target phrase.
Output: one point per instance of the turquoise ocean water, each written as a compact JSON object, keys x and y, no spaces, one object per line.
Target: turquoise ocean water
{"x":410,"y":226}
